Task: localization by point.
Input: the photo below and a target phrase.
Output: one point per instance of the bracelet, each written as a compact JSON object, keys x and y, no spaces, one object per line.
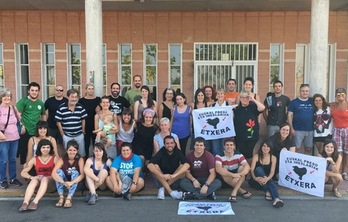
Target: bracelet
{"x":193,"y":180}
{"x":135,"y":183}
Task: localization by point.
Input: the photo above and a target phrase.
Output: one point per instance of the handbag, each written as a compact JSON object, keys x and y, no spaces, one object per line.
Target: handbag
{"x":20,"y":129}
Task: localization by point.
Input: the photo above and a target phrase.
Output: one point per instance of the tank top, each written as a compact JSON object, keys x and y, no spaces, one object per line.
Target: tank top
{"x":266,"y":168}
{"x":167,"y":112}
{"x":96,"y":171}
{"x":67,"y":168}
{"x":44,"y":169}
{"x":340,"y":118}
{"x":125,"y":136}
{"x":181,"y":123}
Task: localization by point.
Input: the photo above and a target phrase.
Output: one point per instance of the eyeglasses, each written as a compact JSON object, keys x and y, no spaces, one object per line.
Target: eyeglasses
{"x":340,"y":94}
{"x":59,"y":90}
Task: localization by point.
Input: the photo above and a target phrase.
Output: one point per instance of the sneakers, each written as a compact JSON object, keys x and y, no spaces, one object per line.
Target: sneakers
{"x":176,"y":194}
{"x":188,"y":196}
{"x":4,"y":185}
{"x":16,"y":183}
{"x":212,"y":196}
{"x":127,"y":196}
{"x":93,"y":199}
{"x":32,"y":206}
{"x":88,"y":196}
{"x":160,"y":194}
{"x":278,"y":203}
{"x":24,"y":207}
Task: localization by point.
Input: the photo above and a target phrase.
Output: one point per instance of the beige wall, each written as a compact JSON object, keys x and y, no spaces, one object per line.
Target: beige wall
{"x":290,"y":28}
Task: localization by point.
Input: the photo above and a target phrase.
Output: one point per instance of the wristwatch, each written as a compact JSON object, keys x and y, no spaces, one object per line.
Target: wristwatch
{"x":107,"y":132}
{"x":206,"y":184}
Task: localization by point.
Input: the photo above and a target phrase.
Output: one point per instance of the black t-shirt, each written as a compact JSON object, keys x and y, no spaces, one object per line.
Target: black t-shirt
{"x":277,"y":146}
{"x":246,"y":122}
{"x":52,"y":105}
{"x":277,"y":112}
{"x":90,"y":105}
{"x":117,"y":104}
{"x":168,"y":163}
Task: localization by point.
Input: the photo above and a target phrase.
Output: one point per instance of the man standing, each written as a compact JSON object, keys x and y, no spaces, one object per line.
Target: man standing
{"x":117,"y":102}
{"x":31,"y":109}
{"x":168,"y":167}
{"x":275,"y":113}
{"x":51,"y":105}
{"x":300,"y":118}
{"x":233,"y":167}
{"x":231,"y":94}
{"x":70,"y":119}
{"x":200,"y":179}
{"x":134,"y":94}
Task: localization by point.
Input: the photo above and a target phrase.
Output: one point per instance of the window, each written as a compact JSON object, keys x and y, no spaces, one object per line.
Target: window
{"x":74,"y":71}
{"x":2,"y":83}
{"x":276,"y":64}
{"x":125,"y":67}
{"x":104,"y":69}
{"x":48,"y":70}
{"x":22,"y":69}
{"x":175,"y":66}
{"x":151,"y":68}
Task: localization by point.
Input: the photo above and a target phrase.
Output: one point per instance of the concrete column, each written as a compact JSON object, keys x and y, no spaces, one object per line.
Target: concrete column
{"x":94,"y":44}
{"x":318,"y":78}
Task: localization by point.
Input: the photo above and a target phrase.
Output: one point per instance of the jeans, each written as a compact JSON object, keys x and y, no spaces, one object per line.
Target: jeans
{"x":8,"y":152}
{"x":269,"y":186}
{"x":218,"y":146}
{"x":187,"y":185}
{"x":60,"y":186}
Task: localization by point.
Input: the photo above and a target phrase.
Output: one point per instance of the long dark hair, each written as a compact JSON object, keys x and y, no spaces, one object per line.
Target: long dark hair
{"x":42,"y":143}
{"x":260,"y":153}
{"x":335,"y":154}
{"x":288,"y":138}
{"x":150,"y":102}
{"x":325,"y":104}
{"x":100,"y":146}
{"x":165,"y":92}
{"x":41,"y":124}
{"x":74,"y":144}
{"x":196,"y":97}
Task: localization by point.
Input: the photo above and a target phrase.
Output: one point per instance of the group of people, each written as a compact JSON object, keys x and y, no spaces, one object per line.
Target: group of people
{"x":134,"y":135}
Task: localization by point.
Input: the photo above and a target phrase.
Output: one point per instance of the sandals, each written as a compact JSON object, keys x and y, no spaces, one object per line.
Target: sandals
{"x":246,"y":195}
{"x":68,"y":203}
{"x":60,"y":201}
{"x":278,"y":203}
{"x":337,"y":193}
{"x":345,"y":176}
{"x":232,"y":199}
{"x":268,"y":196}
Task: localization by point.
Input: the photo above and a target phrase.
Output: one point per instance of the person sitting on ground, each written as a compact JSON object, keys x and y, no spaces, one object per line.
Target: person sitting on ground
{"x":262,"y":170}
{"x":200,"y":181}
{"x":43,"y":163}
{"x":334,"y":160}
{"x":68,"y":172}
{"x":232,"y":167}
{"x":96,"y":170}
{"x":126,"y":177}
{"x":168,"y":167}
{"x":104,"y":131}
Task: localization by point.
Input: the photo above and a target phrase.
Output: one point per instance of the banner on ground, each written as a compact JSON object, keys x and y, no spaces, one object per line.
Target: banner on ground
{"x":205,"y":208}
{"x":213,"y":123}
{"x":303,"y":173}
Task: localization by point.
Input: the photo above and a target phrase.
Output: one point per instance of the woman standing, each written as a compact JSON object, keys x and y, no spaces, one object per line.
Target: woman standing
{"x":43,"y":163}
{"x":210,"y":94}
{"x":262,"y":170}
{"x":67,"y":173}
{"x":99,"y":123}
{"x":41,"y":132}
{"x":248,"y":86}
{"x":339,"y":113}
{"x":143,"y":138}
{"x":246,"y":123}
{"x":166,"y":107}
{"x":145,"y":102}
{"x":181,"y":121}
{"x":126,"y":177}
{"x":126,"y":128}
{"x":334,"y":160}
{"x":164,"y":126}
{"x":8,"y":140}
{"x":322,"y":121}
{"x":96,"y":170}
{"x":91,"y":104}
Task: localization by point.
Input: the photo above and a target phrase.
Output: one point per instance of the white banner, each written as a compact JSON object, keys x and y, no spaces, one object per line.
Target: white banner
{"x":205,"y":208}
{"x":303,"y":173}
{"x":213,"y":122}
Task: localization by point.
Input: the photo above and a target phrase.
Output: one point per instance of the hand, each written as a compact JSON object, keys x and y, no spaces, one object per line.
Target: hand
{"x":2,"y":136}
{"x":204,"y":190}
{"x":196,"y":184}
{"x":237,"y":175}
{"x":133,"y":187}
{"x":167,"y":177}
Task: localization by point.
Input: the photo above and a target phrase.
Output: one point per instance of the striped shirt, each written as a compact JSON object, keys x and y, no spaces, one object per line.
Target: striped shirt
{"x":71,"y":120}
{"x":232,"y":163}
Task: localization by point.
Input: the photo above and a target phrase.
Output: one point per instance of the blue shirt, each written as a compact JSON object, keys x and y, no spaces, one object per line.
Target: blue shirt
{"x":303,"y":112}
{"x":127,"y":167}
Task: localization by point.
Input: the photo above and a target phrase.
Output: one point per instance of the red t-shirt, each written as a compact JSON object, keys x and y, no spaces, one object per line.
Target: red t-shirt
{"x":200,"y":166}
{"x":44,"y":169}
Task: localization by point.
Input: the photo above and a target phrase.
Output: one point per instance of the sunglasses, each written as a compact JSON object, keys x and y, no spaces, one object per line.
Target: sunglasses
{"x":59,"y":90}
{"x":340,"y":94}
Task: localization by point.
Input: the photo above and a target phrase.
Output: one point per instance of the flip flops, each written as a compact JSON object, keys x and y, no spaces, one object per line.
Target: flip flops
{"x":232,"y":199}
{"x":268,"y":196}
{"x":246,"y":195}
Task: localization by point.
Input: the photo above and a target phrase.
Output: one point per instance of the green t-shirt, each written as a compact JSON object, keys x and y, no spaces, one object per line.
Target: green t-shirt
{"x":31,"y":113}
{"x":132,"y":96}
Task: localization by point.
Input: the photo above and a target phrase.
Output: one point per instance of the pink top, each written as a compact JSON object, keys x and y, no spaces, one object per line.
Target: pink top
{"x":11,"y":131}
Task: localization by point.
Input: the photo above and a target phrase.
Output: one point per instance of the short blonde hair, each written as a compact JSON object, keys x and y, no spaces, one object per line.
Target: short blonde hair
{"x":244,"y":93}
